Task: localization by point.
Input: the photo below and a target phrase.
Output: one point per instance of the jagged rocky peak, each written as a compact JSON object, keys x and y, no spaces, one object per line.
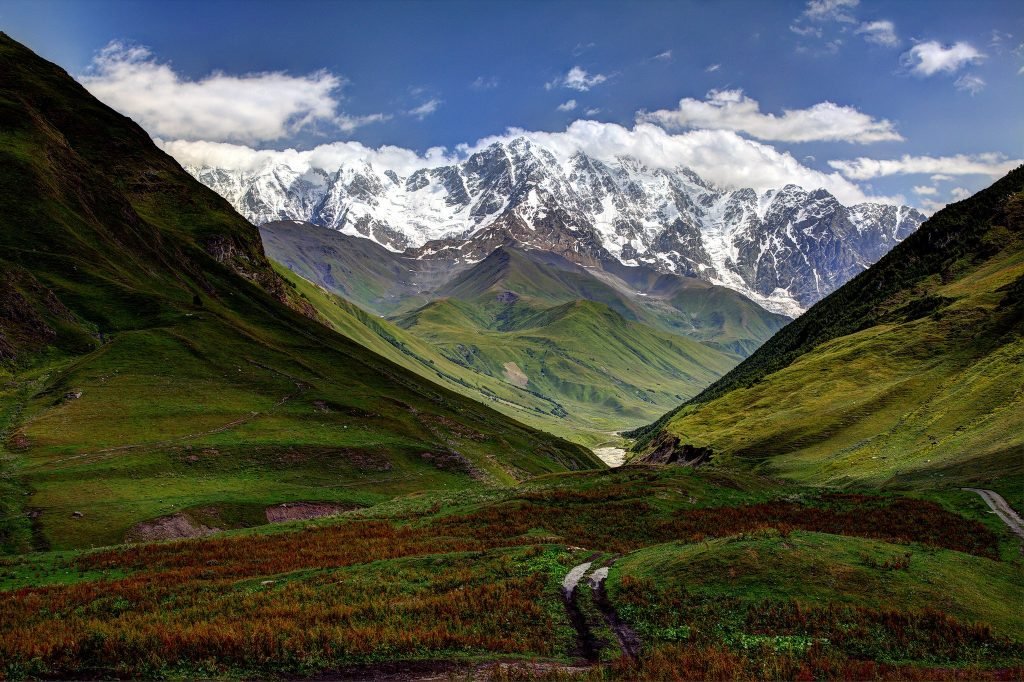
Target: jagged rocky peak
{"x":784,"y":248}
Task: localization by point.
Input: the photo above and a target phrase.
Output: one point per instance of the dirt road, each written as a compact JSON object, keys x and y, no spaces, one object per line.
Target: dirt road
{"x":1002,"y":509}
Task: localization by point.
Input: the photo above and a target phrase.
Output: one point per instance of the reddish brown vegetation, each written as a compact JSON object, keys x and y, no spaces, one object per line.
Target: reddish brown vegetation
{"x":614,"y":519}
{"x":202,"y":608}
{"x":696,"y":662}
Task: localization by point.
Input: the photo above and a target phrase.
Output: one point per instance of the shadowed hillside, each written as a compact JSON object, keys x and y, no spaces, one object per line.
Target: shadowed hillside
{"x":157,"y":368}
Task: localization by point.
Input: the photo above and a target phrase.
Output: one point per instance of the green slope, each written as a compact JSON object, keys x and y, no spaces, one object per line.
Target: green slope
{"x":154,"y":363}
{"x":677,"y":305}
{"x":387,"y":283}
{"x":426,"y":359}
{"x":911,"y":374}
{"x":566,"y":391}
{"x":604,"y":371}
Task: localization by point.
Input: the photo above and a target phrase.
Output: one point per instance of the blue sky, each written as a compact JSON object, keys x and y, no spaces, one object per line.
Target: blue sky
{"x":928,"y":95}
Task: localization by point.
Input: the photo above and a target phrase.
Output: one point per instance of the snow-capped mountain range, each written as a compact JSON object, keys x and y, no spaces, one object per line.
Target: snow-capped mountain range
{"x":784,"y":248}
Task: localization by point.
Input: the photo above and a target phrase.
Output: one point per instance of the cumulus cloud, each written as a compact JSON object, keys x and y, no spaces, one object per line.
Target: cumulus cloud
{"x":577,"y":79}
{"x":425,"y":109}
{"x":959,"y":193}
{"x":932,"y":57}
{"x":328,"y":156}
{"x":732,"y":110}
{"x":594,"y":111}
{"x":665,"y":56}
{"x":720,"y":156}
{"x":991,"y":164}
{"x":970,"y":83}
{"x":924,"y":190}
{"x":567,"y":106}
{"x":881,"y":32}
{"x":256,"y":107}
{"x":712,"y":68}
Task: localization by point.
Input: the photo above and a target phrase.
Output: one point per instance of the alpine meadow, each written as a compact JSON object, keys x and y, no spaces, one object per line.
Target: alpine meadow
{"x":508,"y":341}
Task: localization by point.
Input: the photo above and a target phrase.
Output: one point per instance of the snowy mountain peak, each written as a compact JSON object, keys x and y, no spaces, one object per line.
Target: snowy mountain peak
{"x":784,"y":248}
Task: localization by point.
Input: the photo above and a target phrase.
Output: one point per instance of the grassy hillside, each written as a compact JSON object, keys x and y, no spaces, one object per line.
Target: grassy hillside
{"x":577,"y":370}
{"x":715,"y":315}
{"x":910,"y":375}
{"x":428,"y":360}
{"x":354,"y":268}
{"x":156,"y":368}
{"x":602,"y":371}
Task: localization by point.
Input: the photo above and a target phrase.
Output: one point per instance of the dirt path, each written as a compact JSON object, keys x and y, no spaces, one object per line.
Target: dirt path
{"x":587,"y":646}
{"x":1002,"y":509}
{"x":629,"y":641}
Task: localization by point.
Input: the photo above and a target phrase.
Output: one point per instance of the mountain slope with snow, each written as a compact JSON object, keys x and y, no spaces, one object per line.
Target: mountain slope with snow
{"x":785,"y":248}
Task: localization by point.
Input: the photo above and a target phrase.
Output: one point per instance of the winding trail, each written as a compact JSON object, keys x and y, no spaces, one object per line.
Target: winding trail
{"x":1002,"y":509}
{"x":629,"y":641}
{"x":589,"y":646}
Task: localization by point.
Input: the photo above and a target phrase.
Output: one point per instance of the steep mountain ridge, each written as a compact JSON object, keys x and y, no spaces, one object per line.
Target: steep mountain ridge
{"x":911,"y":372}
{"x":784,"y":248}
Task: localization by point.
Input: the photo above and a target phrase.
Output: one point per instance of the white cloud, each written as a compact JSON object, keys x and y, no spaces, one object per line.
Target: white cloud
{"x":593,"y":111}
{"x":925,"y":190}
{"x":484,"y":83}
{"x":955,"y":194}
{"x":712,"y":68}
{"x":577,"y":79}
{"x":805,"y":30}
{"x":932,"y":57}
{"x":881,"y":32}
{"x":329,"y":156}
{"x":567,"y":106}
{"x":970,"y":83}
{"x":665,"y":56}
{"x":991,"y":164}
{"x":720,"y":156}
{"x":830,"y":10}
{"x":1020,"y":72}
{"x":939,"y":177}
{"x":349,"y":123}
{"x":254,"y":107}
{"x":581,"y":48}
{"x":425,"y":109}
{"x":732,"y":110}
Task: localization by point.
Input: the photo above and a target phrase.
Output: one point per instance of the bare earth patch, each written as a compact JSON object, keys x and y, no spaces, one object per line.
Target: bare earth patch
{"x":516,"y":376}
{"x":299,"y":511}
{"x":168,"y":528}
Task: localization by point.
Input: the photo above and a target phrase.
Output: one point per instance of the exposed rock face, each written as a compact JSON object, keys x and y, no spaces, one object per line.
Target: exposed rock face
{"x":669,"y":450}
{"x":784,"y":248}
